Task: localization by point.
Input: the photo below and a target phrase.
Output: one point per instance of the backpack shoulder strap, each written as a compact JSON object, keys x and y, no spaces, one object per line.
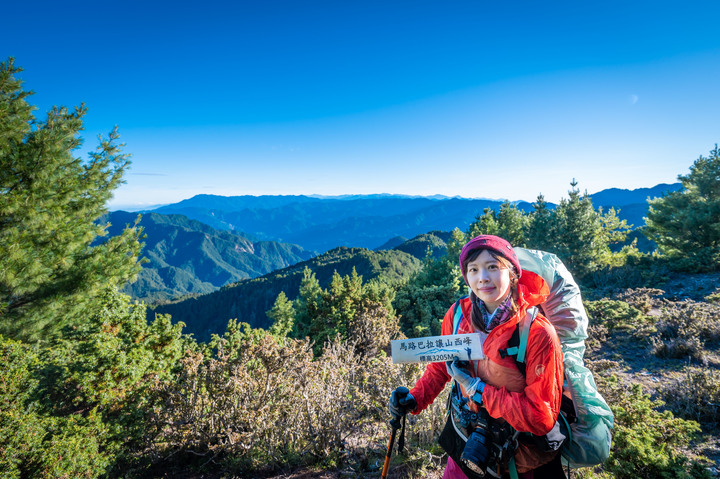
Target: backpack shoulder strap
{"x":457,"y":315}
{"x":517,"y":344}
{"x":457,"y":318}
{"x":525,"y":333}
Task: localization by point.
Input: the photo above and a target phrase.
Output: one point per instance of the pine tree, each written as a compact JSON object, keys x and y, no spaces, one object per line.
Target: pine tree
{"x":52,"y":271}
{"x":421,"y":303}
{"x":581,"y":236}
{"x":685,"y":224}
{"x":455,"y":245}
{"x":338,"y":306}
{"x":512,"y":224}
{"x":282,"y":316}
{"x":485,"y":224}
{"x":578,"y":232}
{"x":541,"y":227}
{"x":508,"y":222}
{"x":307,"y":304}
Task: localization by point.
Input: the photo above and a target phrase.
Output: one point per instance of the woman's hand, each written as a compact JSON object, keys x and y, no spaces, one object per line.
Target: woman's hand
{"x":459,"y":373}
{"x":401,"y":402}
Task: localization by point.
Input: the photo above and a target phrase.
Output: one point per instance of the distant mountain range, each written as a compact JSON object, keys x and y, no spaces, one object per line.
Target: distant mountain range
{"x":367,"y":221}
{"x":632,"y":203}
{"x":218,"y":240}
{"x":321,"y":224}
{"x":188,"y":257}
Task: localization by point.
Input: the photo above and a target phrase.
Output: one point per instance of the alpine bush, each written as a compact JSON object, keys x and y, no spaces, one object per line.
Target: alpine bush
{"x":36,"y":444}
{"x":685,"y":327}
{"x":647,"y":441}
{"x":695,"y":395}
{"x":617,"y":316}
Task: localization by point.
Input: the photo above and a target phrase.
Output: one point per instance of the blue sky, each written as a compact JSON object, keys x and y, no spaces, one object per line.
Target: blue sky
{"x":471,"y":98}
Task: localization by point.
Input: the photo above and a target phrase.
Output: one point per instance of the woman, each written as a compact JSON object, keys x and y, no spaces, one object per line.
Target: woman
{"x":494,"y":397}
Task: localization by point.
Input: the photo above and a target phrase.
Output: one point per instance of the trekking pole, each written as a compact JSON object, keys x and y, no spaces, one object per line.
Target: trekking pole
{"x":395,"y":424}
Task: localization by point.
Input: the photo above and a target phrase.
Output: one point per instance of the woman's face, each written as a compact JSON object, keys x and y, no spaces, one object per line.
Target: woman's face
{"x":489,"y":279}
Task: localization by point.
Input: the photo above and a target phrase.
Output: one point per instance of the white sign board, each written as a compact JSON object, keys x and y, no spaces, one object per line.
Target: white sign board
{"x":438,"y":348}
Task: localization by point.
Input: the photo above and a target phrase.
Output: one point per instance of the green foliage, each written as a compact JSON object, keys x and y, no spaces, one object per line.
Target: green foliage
{"x":685,"y":224}
{"x":508,"y":222}
{"x":282,"y":316}
{"x":107,"y":366}
{"x":114,"y":354}
{"x":307,"y":304}
{"x":34,"y":444}
{"x":713,"y":298}
{"x":540,"y":226}
{"x":582,"y":236}
{"x":648,"y":442}
{"x":617,"y":315}
{"x":424,"y":299}
{"x":347,"y":309}
{"x":50,"y":274}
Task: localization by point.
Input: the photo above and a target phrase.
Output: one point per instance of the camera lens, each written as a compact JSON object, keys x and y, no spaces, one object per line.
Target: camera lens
{"x":477,"y":451}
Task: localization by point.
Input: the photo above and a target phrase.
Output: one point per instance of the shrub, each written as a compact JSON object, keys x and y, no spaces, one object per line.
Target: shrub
{"x":713,"y":298}
{"x":372,"y":328}
{"x":618,"y":315}
{"x":597,"y":335}
{"x":695,"y":395}
{"x":33,"y":443}
{"x":644,"y":299}
{"x":647,"y":442}
{"x":264,"y":403}
{"x":684,"y":329}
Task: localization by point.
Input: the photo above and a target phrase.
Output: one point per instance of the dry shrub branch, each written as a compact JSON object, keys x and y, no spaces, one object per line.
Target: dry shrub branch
{"x":262,"y":402}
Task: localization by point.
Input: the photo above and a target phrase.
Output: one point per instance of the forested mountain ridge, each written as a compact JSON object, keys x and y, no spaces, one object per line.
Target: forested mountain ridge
{"x":249,"y":300}
{"x":186,"y":256}
{"x":318,"y":223}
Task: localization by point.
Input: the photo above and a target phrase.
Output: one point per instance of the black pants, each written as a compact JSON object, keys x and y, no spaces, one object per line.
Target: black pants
{"x":551,"y":470}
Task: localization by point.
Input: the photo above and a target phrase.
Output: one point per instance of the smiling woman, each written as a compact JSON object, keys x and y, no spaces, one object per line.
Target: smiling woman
{"x":495,"y":399}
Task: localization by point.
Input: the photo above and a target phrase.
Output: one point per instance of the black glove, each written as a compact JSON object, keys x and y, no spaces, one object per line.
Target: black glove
{"x":401,"y":402}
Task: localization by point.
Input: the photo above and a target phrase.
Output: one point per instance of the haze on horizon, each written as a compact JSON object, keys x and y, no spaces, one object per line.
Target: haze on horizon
{"x":459,"y":98}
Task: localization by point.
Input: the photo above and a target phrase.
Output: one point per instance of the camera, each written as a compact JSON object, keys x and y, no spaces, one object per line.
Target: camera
{"x":479,"y":455}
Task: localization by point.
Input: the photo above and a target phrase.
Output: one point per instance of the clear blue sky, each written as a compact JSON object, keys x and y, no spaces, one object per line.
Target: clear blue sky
{"x":473,"y":98}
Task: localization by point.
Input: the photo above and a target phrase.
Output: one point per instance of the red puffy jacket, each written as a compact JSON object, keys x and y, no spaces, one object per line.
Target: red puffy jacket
{"x":530,"y":402}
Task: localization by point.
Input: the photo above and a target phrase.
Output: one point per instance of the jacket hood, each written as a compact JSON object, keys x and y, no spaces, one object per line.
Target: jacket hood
{"x":532,"y":290}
